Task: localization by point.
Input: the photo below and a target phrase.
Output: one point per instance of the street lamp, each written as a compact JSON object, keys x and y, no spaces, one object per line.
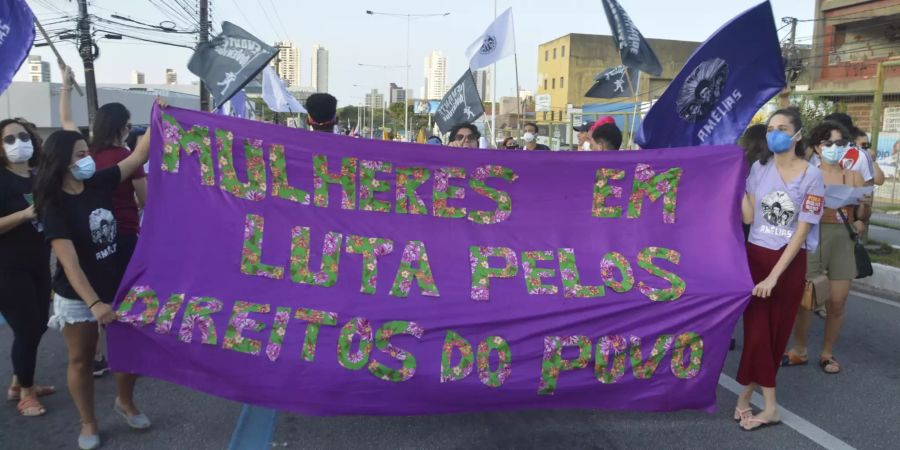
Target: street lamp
{"x":385,"y":68}
{"x":409,"y":18}
{"x":372,"y":116}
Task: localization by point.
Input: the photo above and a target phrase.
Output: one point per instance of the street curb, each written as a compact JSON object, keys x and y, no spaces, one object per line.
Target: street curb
{"x":885,"y":278}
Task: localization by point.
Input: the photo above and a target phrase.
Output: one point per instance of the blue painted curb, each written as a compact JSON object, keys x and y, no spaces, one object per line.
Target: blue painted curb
{"x":254,"y":429}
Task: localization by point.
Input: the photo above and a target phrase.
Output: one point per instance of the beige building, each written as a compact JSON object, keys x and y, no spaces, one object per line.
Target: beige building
{"x":287,"y":62}
{"x":567,"y":66}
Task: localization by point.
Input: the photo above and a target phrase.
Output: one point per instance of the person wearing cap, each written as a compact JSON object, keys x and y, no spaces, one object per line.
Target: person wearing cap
{"x":606,"y":137}
{"x":321,"y":112}
{"x":434,"y":140}
{"x":530,"y":138}
{"x":584,"y":135}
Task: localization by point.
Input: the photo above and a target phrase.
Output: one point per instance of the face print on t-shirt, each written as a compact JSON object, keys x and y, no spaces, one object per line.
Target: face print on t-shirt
{"x":103,"y":227}
{"x":778,"y":208}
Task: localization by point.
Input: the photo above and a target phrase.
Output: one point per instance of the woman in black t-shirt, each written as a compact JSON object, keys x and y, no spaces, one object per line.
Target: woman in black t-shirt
{"x":75,"y":207}
{"x":24,"y":264}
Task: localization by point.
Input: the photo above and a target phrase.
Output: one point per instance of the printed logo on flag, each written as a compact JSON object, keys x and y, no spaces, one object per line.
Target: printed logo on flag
{"x":4,"y":31}
{"x":813,"y":204}
{"x":489,"y":45}
{"x":702,"y":89}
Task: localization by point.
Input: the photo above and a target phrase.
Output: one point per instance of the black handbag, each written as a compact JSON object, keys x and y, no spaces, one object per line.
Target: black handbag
{"x":863,"y":262}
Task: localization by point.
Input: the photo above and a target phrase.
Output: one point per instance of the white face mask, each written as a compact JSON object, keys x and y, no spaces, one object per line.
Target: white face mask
{"x":19,"y":152}
{"x":84,"y":168}
{"x":528,"y":137}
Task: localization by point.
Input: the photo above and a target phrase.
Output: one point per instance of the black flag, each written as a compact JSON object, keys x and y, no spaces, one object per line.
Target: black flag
{"x":229,"y":61}
{"x":614,"y":83}
{"x":461,"y":104}
{"x":635,"y":51}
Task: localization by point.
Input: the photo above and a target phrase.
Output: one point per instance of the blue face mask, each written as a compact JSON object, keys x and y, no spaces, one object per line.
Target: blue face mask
{"x":83,"y":168}
{"x":779,"y":141}
{"x":834,"y":153}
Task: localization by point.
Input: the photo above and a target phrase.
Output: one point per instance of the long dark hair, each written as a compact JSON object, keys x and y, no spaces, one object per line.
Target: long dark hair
{"x":793,"y":114}
{"x":58,"y":149}
{"x":35,"y":141}
{"x":108,"y":124}
{"x":754,"y":143}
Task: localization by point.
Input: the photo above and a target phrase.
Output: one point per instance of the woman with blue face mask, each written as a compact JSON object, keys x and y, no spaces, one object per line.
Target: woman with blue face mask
{"x":74,"y":203}
{"x":24,"y":263}
{"x":782,"y":205}
{"x":835,"y":255}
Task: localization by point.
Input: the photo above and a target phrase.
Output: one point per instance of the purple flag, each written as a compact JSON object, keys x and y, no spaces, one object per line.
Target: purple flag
{"x":16,"y":38}
{"x":320,"y":274}
{"x":723,"y":84}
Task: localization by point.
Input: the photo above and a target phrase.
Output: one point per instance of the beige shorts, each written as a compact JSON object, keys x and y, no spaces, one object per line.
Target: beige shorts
{"x":835,"y":256}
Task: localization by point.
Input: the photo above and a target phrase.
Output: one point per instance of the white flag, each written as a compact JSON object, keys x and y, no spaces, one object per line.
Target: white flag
{"x":497,"y":42}
{"x":276,"y":95}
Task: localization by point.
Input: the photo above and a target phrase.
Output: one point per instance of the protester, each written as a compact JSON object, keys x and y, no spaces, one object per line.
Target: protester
{"x":584,"y":135}
{"x":321,"y":112}
{"x":783,"y":216}
{"x":74,"y":204}
{"x":861,"y":139}
{"x":530,"y":137}
{"x":24,"y":264}
{"x":606,"y":137}
{"x":754,"y":143}
{"x":835,"y":255}
{"x":434,"y":140}
{"x":464,"y":135}
{"x":510,"y":143}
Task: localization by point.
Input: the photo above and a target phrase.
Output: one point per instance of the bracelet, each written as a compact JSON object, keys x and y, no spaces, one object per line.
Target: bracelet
{"x":92,"y":304}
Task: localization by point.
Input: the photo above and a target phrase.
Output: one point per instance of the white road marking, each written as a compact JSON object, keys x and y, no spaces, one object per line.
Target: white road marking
{"x":875,"y":299}
{"x":799,"y":424}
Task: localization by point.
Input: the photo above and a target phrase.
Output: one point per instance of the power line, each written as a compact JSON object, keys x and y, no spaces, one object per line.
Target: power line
{"x":271,"y":24}
{"x":236,"y":5}
{"x":278,"y":18}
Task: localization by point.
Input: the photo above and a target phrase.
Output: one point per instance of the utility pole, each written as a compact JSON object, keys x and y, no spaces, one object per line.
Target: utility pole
{"x":793,"y":65}
{"x":86,"y":50}
{"x":204,"y":38}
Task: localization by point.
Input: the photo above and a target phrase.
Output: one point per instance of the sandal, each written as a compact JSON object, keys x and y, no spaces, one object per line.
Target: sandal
{"x":762,"y":424}
{"x":741,"y":414}
{"x":829,"y":365}
{"x":793,"y":359}
{"x":14,"y":393}
{"x":30,"y":407}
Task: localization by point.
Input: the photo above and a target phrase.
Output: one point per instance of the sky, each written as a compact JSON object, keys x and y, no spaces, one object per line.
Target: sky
{"x":354,"y":37}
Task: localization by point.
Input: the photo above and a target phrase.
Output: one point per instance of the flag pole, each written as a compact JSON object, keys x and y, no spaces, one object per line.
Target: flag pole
{"x":518,"y":100}
{"x":59,"y":59}
{"x":634,"y":91}
{"x":494,"y":95}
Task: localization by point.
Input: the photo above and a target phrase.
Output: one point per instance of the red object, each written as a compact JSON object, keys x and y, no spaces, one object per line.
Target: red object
{"x":125,"y":208}
{"x":603,"y":121}
{"x":768,"y":322}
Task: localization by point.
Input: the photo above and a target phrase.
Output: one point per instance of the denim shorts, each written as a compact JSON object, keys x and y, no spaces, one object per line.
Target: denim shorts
{"x":67,"y":311}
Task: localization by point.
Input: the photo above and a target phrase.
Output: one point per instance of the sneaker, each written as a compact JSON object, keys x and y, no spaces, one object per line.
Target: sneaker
{"x":100,"y":367}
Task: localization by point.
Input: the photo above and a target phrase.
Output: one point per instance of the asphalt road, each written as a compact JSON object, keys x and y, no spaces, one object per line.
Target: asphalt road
{"x":857,"y":408}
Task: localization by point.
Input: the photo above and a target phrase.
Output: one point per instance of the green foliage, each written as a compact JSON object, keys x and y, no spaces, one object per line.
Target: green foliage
{"x":813,"y":110}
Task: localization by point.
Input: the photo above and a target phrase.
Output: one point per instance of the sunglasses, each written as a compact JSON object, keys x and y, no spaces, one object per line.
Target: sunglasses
{"x":11,"y":138}
{"x":839,"y":142}
{"x":466,"y":138}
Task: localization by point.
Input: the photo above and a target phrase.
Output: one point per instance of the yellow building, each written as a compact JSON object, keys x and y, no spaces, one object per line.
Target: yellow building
{"x":567,"y":66}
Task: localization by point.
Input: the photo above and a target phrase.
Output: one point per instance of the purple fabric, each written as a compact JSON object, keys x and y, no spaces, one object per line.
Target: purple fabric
{"x":779,"y":207}
{"x":193,"y":236}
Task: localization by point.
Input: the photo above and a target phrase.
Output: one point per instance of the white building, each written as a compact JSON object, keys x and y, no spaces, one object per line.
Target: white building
{"x":320,"y":68}
{"x":137,"y":77}
{"x":483,"y":81}
{"x":38,"y":70}
{"x":375,"y":96}
{"x":171,"y":77}
{"x":435,"y":76}
{"x":287,"y":63}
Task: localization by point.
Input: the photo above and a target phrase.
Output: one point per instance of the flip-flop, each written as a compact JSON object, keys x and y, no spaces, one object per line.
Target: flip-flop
{"x":30,"y":407}
{"x":792,"y":359}
{"x":824,"y":363}
{"x":13,"y":394}
{"x":741,"y":414}
{"x":763,"y":424}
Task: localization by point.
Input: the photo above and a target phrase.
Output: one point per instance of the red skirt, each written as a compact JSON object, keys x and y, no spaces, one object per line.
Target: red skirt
{"x":768,"y":321}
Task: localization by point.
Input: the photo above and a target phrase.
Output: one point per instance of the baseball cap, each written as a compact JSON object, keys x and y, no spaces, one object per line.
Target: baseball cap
{"x":584,"y":128}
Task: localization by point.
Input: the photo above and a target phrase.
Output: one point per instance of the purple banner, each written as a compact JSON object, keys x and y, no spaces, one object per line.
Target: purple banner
{"x":322,"y":274}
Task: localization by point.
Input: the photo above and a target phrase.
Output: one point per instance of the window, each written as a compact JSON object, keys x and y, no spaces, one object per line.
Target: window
{"x":545,"y":84}
{"x":552,"y":116}
{"x":563,"y":55}
{"x":545,"y":116}
{"x":554,"y":53}
{"x":562,"y":82}
{"x":546,"y":55}
{"x":553,"y":84}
